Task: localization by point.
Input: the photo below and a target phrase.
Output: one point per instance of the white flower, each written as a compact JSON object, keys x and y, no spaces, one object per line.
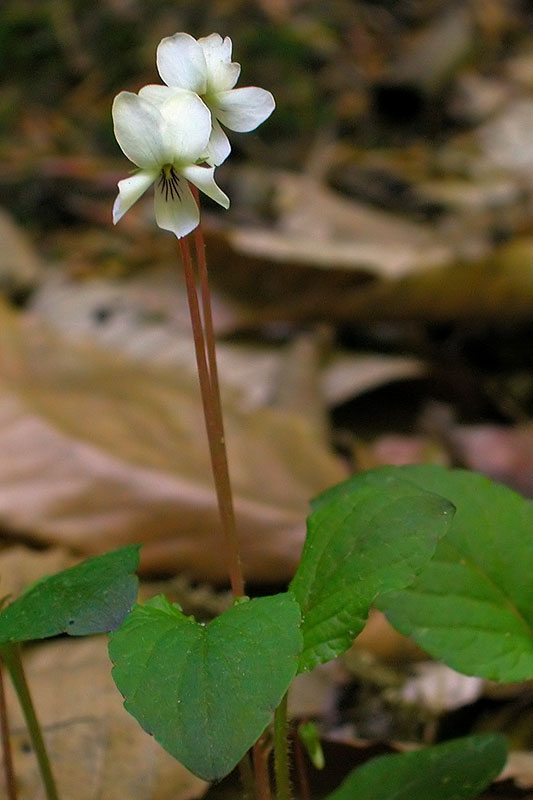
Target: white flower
{"x":168,"y":142}
{"x":204,"y":66}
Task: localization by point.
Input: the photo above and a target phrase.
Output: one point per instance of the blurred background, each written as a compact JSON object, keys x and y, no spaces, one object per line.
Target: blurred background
{"x":373,"y":299}
{"x":373,"y":280}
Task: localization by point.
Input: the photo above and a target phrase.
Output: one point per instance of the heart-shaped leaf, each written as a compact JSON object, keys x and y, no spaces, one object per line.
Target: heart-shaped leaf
{"x":472,"y":606}
{"x":456,"y":770}
{"x":206,"y":692}
{"x":92,"y":597}
{"x":366,"y":536}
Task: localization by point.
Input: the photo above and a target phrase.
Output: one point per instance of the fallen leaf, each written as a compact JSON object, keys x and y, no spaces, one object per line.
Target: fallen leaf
{"x":379,"y":638}
{"x":438,"y":688}
{"x":498,"y":286}
{"x":147,"y":321}
{"x":351,"y":375}
{"x":505,"y":140}
{"x":519,"y":768}
{"x":20,"y":266}
{"x":20,"y":566}
{"x":98,"y":451}
{"x":320,"y":228}
{"x":98,"y":752}
{"x":505,"y":454}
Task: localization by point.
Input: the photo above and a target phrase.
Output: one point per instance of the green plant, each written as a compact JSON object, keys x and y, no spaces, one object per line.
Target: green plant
{"x":386,"y":537}
{"x":379,"y":538}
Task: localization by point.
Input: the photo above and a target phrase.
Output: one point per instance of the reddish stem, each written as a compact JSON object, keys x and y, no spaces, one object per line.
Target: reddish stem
{"x":209,"y":333}
{"x":199,"y":246}
{"x":9,"y":772}
{"x":301,"y":769}
{"x":204,"y":343}
{"x":261,"y":774}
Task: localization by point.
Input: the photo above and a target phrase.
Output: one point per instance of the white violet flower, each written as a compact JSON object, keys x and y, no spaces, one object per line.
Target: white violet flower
{"x":167,"y":141}
{"x":204,"y":66}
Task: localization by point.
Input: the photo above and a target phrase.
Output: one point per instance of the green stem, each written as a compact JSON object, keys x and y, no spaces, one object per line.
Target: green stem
{"x":281,"y":752}
{"x":11,"y":656}
{"x":11,"y":784}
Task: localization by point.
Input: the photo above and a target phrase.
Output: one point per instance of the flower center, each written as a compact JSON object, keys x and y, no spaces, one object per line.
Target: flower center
{"x":169,"y":182}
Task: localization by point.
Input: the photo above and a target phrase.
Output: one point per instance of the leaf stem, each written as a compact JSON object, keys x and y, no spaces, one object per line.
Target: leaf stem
{"x":11,"y":656}
{"x":11,"y":784}
{"x":281,"y":751}
{"x":205,"y":349}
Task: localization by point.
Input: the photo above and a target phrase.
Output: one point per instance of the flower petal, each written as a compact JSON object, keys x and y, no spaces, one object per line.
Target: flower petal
{"x":222,"y":73}
{"x":243,"y":109}
{"x":177,"y":211}
{"x":203,"y":178}
{"x":181,"y":63}
{"x":139,"y":130}
{"x":156,"y":93}
{"x":219,"y":147}
{"x":187,"y":127}
{"x":129,"y":191}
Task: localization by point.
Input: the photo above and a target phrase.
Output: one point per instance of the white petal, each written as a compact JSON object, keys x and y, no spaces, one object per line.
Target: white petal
{"x":222,"y":73}
{"x":139,"y":130}
{"x":177,"y":213}
{"x":203,"y":178}
{"x":187,"y":126}
{"x":181,"y":63}
{"x":219,"y":147}
{"x":215,"y":44}
{"x":243,"y":109}
{"x":129,"y":191}
{"x":156,"y":93}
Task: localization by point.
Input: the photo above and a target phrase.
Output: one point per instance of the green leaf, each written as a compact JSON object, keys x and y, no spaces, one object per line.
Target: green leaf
{"x":206,"y":692}
{"x":472,"y":606}
{"x":455,"y":770}
{"x":92,"y":597}
{"x":366,"y":536}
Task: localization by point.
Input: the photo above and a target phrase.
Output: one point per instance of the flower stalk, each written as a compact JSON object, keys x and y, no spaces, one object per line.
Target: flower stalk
{"x":205,"y":350}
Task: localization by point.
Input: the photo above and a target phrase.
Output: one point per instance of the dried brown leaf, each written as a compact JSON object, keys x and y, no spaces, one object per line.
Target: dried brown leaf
{"x":20,"y":267}
{"x":97,"y":451}
{"x":98,"y":751}
{"x":20,"y":566}
{"x":320,"y":228}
